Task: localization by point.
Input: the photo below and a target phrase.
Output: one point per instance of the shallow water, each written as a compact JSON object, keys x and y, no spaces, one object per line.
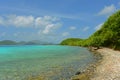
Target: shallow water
{"x":50,"y":61}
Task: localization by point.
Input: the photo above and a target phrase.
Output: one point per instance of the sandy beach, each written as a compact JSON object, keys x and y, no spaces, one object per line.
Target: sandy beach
{"x":109,"y":67}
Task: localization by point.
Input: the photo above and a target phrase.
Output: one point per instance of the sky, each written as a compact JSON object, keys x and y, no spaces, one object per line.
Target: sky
{"x":53,"y":20}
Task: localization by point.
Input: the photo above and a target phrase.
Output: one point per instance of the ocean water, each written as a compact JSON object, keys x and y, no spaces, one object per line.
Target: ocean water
{"x":46,"y":62}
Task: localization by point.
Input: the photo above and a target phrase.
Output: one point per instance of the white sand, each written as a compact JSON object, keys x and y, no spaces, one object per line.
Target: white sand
{"x":109,"y":68}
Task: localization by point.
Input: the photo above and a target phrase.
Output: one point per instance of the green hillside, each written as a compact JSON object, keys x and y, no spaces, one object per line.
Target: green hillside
{"x":71,"y":41}
{"x":7,"y":42}
{"x":107,"y":36}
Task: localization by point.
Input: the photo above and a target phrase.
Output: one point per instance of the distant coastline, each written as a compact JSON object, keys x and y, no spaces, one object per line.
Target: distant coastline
{"x":34,"y":42}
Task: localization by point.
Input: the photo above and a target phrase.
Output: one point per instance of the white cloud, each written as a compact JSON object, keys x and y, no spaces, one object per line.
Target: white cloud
{"x":50,"y":18}
{"x":19,"y":21}
{"x":107,"y":10}
{"x":65,"y":34}
{"x":40,"y":22}
{"x":72,"y":28}
{"x":27,"y":21}
{"x":46,"y":23}
{"x":47,"y":29}
{"x":98,"y":26}
{"x":51,"y":27}
{"x":43,"y":21}
{"x":86,"y":28}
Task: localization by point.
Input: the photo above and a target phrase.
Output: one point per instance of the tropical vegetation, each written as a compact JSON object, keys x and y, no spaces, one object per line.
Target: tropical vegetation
{"x":107,"y":36}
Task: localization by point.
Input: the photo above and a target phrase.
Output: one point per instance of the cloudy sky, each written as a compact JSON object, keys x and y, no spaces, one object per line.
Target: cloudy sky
{"x":53,"y":20}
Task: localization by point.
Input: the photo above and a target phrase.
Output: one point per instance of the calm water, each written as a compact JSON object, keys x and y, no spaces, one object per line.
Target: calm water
{"x":53,"y":62}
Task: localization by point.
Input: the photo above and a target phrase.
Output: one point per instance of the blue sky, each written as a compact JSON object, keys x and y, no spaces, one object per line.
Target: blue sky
{"x":53,"y":20}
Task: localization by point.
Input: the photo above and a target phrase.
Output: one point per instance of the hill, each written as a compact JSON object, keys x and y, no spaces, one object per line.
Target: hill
{"x":107,"y":36}
{"x":35,"y":42}
{"x":8,"y":42}
{"x":71,"y":41}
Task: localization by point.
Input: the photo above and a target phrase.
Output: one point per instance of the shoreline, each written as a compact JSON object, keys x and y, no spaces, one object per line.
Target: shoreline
{"x":107,"y":68}
{"x":89,"y":71}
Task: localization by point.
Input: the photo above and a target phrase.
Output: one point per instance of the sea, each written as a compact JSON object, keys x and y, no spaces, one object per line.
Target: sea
{"x":43,"y":62}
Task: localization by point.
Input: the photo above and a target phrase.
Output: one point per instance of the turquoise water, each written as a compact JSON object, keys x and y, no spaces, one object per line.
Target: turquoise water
{"x":51,"y":62}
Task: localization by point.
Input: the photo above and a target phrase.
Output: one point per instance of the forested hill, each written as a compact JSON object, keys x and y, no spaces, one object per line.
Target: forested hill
{"x":107,"y":36}
{"x":71,"y":41}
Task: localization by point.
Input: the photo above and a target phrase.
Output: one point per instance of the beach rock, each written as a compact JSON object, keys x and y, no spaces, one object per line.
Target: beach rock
{"x":78,"y":73}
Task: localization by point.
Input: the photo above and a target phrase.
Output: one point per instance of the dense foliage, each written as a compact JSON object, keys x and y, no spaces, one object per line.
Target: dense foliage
{"x":107,"y":36}
{"x":71,"y":41}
